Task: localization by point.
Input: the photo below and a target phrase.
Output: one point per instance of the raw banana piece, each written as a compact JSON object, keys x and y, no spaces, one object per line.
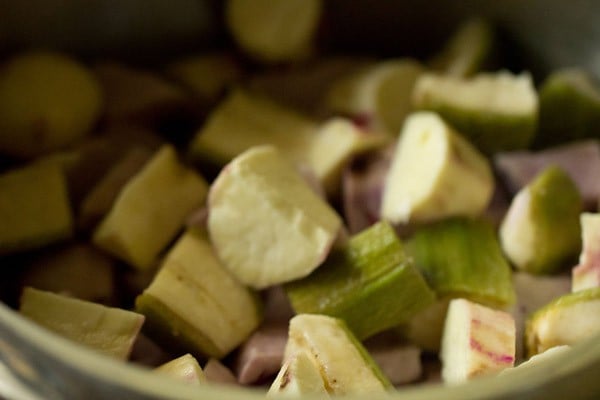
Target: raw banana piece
{"x":274,"y":32}
{"x":150,"y":210}
{"x":194,"y":304}
{"x":541,"y":230}
{"x":184,"y":368}
{"x":477,"y":341}
{"x":370,"y":284}
{"x":266,"y":224}
{"x":435,"y":173}
{"x":565,"y":321}
{"x":299,"y":376}
{"x":496,"y":112}
{"x":111,"y":331}
{"x":344,"y":364}
{"x":587,"y":273}
{"x":34,"y":207}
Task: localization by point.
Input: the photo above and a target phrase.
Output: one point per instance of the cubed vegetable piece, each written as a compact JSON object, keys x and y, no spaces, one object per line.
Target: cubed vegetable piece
{"x":370,"y":284}
{"x":569,"y":107}
{"x":110,"y":331}
{"x":299,"y":376}
{"x":435,"y":173}
{"x":587,"y":273}
{"x":274,"y":32}
{"x":34,"y":207}
{"x":185,"y":369}
{"x":150,"y":210}
{"x":541,"y":230}
{"x":194,"y":304}
{"x":494,"y":111}
{"x":565,"y":321}
{"x":47,"y":101}
{"x":267,"y":225}
{"x":477,"y":341}
{"x":344,"y":363}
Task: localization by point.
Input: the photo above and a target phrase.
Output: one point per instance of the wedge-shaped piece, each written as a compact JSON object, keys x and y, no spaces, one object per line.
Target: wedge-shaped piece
{"x":370,"y":273}
{"x":111,"y":331}
{"x":150,"y":210}
{"x":265,"y":222}
{"x":587,"y":273}
{"x":34,"y":207}
{"x":537,"y":359}
{"x":477,"y":341}
{"x":569,"y":107}
{"x":345,"y":365}
{"x":435,"y":173}
{"x":274,"y":32}
{"x":541,"y":229}
{"x":495,"y":111}
{"x":184,"y":368}
{"x":468,"y":50}
{"x":565,"y":321}
{"x":195,"y":304}
{"x":299,"y":376}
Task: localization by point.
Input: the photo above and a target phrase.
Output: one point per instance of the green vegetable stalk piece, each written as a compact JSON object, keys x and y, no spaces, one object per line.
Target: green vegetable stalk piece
{"x":34,"y":207}
{"x":569,"y":108}
{"x":496,"y":112}
{"x":184,"y":368}
{"x":370,"y":284}
{"x":565,"y":321}
{"x":194,"y":304}
{"x":345,"y":365}
{"x":541,"y":230}
{"x":111,"y":331}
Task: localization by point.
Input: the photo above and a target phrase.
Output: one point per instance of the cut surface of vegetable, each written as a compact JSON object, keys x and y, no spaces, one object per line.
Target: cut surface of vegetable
{"x":587,"y":273}
{"x":184,"y":368}
{"x":537,"y":359}
{"x":541,"y":229}
{"x":266,"y":224}
{"x":150,"y":210}
{"x":299,"y":376}
{"x":435,"y":173}
{"x":477,"y":341}
{"x":110,"y":331}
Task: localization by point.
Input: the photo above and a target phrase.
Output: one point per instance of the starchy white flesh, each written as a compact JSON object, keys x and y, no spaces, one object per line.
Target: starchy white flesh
{"x":587,"y":274}
{"x":299,"y":376}
{"x":265,"y":222}
{"x":274,"y":31}
{"x":477,"y":341}
{"x":345,"y":365}
{"x":537,"y":359}
{"x":184,"y":368}
{"x":150,"y":210}
{"x":435,"y":173}
{"x":517,"y":233}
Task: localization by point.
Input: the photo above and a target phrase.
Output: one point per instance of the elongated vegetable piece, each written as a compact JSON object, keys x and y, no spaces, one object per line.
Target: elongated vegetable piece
{"x":345,"y":365}
{"x":587,"y":273}
{"x":266,"y":224}
{"x":299,"y":376}
{"x":274,"y":31}
{"x":435,"y":173}
{"x":494,"y":111}
{"x":477,"y":341}
{"x":184,"y":368}
{"x":537,"y":359}
{"x":370,"y":284}
{"x":110,"y":331}
{"x":34,"y":207}
{"x":541,"y":230}
{"x":194,"y":304}
{"x":565,"y":321}
{"x":150,"y":210}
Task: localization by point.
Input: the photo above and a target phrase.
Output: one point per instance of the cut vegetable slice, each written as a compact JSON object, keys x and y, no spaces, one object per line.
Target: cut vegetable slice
{"x":194,"y":304}
{"x":495,"y":111}
{"x":150,"y":210}
{"x":185,"y":369}
{"x":435,"y":173}
{"x":34,"y":208}
{"x":587,"y":274}
{"x":345,"y":365}
{"x":565,"y":321}
{"x":274,"y":32}
{"x":299,"y":376}
{"x":541,"y":230}
{"x":370,"y":284}
{"x":111,"y":331}
{"x":266,"y":224}
{"x":537,"y":359}
{"x":477,"y":341}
